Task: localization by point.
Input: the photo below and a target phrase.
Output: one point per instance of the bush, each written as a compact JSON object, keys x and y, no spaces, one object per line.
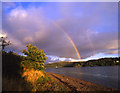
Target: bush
{"x":33,"y":65}
{"x":34,"y":59}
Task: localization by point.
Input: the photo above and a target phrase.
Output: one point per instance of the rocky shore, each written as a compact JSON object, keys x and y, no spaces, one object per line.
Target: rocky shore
{"x":74,"y":84}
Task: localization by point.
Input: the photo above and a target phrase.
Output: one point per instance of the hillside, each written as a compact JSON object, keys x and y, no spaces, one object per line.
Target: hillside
{"x":13,"y":81}
{"x":99,"y":62}
{"x":63,"y":64}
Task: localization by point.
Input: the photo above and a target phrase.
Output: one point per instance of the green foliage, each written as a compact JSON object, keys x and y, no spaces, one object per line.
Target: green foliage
{"x":77,"y":65}
{"x":64,"y":64}
{"x":103,"y":62}
{"x":34,"y":59}
{"x":11,"y":63}
{"x":48,"y":84}
{"x":11,"y":73}
{"x":91,"y":63}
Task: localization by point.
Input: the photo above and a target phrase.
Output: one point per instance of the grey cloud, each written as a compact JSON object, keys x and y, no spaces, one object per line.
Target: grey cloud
{"x":32,"y":26}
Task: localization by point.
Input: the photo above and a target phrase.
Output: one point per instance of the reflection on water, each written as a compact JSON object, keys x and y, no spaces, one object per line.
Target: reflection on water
{"x":106,"y":75}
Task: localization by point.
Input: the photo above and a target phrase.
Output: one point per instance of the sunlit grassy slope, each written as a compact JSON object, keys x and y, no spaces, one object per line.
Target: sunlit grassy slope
{"x":14,"y":79}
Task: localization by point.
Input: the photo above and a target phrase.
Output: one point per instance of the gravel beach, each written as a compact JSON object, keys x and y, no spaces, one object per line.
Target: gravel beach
{"x":74,"y":84}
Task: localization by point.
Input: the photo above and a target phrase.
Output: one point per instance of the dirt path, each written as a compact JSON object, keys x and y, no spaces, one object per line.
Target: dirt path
{"x":74,"y":84}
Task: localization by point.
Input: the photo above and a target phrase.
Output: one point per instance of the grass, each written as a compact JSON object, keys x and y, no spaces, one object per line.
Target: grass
{"x":14,"y":84}
{"x":20,"y":84}
{"x":40,"y":81}
{"x":47,"y":84}
{"x":12,"y":79}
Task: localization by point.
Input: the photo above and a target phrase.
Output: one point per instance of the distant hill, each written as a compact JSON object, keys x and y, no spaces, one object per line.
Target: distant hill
{"x":91,"y":63}
{"x":62,"y":64}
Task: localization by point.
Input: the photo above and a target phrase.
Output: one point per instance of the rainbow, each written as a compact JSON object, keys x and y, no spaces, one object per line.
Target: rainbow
{"x":69,"y":38}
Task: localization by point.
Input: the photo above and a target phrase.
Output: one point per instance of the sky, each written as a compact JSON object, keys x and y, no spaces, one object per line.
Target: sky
{"x":62,"y":28}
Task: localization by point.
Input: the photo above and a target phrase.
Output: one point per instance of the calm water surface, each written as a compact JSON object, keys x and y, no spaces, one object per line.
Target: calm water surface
{"x":106,"y":76}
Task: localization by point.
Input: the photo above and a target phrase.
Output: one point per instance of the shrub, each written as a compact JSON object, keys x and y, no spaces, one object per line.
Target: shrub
{"x":33,"y":65}
{"x":35,"y":59}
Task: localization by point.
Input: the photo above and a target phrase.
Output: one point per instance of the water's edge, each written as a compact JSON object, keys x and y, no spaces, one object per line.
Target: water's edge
{"x":106,"y":76}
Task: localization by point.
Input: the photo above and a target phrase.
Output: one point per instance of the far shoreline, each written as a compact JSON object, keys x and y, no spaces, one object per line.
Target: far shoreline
{"x":85,"y":66}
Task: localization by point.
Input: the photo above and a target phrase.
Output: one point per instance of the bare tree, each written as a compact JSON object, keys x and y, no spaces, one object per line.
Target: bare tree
{"x":4,"y":43}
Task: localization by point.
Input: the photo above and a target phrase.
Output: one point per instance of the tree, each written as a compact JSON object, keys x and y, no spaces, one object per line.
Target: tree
{"x":34,"y":59}
{"x":4,"y":42}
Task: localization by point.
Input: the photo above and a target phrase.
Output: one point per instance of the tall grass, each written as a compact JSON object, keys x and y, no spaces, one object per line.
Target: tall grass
{"x":14,"y":84}
{"x":16,"y":79}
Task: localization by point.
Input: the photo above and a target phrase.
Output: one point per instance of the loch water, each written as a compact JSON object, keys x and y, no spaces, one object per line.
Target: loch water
{"x":107,"y":76}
